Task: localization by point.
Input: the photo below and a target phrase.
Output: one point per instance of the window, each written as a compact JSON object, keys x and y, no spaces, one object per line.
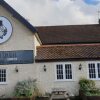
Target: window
{"x":59,"y":71}
{"x":63,"y":72}
{"x":94,"y":70}
{"x":2,"y":75}
{"x":68,"y":71}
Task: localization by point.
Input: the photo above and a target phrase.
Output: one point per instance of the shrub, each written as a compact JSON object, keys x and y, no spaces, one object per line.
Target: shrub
{"x":26,"y":88}
{"x":88,"y":87}
{"x":86,"y":84}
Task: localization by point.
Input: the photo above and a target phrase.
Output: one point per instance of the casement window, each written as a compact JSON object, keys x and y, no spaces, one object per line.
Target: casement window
{"x":2,"y":76}
{"x":63,"y":72}
{"x":94,"y":70}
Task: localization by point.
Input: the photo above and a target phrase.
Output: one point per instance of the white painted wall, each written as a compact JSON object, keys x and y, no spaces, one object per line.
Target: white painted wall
{"x":36,"y":43}
{"x":47,"y":80}
{"x":22,"y":39}
{"x":26,"y":71}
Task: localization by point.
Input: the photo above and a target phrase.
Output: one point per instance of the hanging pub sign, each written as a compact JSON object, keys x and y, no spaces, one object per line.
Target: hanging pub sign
{"x":16,"y":57}
{"x":5,"y":29}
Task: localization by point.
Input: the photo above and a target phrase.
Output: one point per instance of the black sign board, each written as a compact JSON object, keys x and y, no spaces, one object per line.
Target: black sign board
{"x":16,"y":57}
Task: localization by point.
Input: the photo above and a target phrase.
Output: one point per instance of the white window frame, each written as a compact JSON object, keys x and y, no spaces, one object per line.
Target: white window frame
{"x":96,"y":70}
{"x":4,"y":83}
{"x":64,"y":75}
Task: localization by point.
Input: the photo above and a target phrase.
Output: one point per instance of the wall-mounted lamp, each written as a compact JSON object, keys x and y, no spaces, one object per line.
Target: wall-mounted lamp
{"x":44,"y":68}
{"x":16,"y":69}
{"x":80,"y":66}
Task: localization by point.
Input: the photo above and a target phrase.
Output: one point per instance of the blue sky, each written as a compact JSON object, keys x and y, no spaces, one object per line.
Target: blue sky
{"x":92,"y":2}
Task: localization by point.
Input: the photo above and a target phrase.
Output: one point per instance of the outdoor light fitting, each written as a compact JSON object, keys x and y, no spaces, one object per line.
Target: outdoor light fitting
{"x":80,"y":66}
{"x":44,"y":68}
{"x":16,"y":69}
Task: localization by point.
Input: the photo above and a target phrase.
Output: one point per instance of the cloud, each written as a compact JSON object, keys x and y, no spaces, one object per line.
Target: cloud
{"x":55,"y":12}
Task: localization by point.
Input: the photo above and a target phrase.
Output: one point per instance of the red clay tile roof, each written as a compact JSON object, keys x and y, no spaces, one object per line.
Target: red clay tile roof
{"x":71,"y":34}
{"x":68,"y":52}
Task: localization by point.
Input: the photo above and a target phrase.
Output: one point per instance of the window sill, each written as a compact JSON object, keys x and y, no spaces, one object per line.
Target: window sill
{"x":64,"y":80}
{"x":94,"y":79}
{"x":3,"y":83}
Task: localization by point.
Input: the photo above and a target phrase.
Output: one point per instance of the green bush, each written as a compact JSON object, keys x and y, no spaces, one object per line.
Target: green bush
{"x":88,"y":87}
{"x":86,"y":84}
{"x":26,"y":88}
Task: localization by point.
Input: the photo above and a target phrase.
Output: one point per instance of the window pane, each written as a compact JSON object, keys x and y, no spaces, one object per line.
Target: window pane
{"x":92,"y":73}
{"x":2,"y":75}
{"x":59,"y":69}
{"x":68,"y":71}
{"x":4,"y":79}
{"x":98,"y":67}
